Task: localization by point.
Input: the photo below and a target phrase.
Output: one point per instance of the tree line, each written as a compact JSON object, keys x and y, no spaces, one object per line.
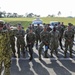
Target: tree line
{"x":4,"y":14}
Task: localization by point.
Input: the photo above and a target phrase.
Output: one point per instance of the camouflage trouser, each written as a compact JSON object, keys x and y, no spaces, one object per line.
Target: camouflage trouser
{"x":60,"y":42}
{"x":21,"y":44}
{"x":54,"y":47}
{"x":7,"y":63}
{"x":40,"y":49}
{"x":70,"y":45}
{"x":13,"y":47}
{"x":30,"y":47}
{"x":37,"y":39}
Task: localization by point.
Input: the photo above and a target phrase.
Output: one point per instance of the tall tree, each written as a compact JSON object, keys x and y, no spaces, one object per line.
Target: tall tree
{"x":14,"y":14}
{"x":4,"y":13}
{"x":9,"y":14}
{"x":30,"y":15}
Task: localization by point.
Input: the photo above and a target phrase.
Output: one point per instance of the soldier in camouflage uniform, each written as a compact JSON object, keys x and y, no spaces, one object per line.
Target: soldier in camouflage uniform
{"x":48,"y":28}
{"x":60,"y":28}
{"x":54,"y":38}
{"x":20,"y":40}
{"x":69,"y":38}
{"x":37,"y":32}
{"x":5,"y":50}
{"x":30,"y":42}
{"x":12,"y":38}
{"x":28,"y":29}
{"x":44,"y":35}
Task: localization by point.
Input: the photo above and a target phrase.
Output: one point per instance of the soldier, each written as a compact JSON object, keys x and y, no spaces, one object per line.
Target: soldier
{"x":28,"y":29}
{"x":44,"y":35}
{"x":20,"y":40}
{"x":12,"y":38}
{"x":60,"y":28}
{"x":48,"y":28}
{"x":54,"y":37}
{"x":5,"y":50}
{"x":33,"y":28}
{"x":69,"y":38}
{"x":37,"y":32}
{"x":30,"y":42}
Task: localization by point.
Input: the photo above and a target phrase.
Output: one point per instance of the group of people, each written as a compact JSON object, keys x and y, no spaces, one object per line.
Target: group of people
{"x":43,"y":36}
{"x":50,"y":38}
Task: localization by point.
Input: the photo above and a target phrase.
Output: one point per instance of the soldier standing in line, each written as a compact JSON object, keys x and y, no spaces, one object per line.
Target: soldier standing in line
{"x":69,"y":38}
{"x":37,"y":32}
{"x":54,"y":38}
{"x":33,"y":28}
{"x":30,"y":42}
{"x":28,"y":29}
{"x":60,"y":28}
{"x":20,"y":40}
{"x":44,"y":35}
{"x":48,"y":28}
{"x":5,"y":49}
{"x":12,"y":38}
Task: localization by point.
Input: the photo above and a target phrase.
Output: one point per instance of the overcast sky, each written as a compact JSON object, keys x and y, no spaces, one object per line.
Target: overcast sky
{"x":39,"y":7}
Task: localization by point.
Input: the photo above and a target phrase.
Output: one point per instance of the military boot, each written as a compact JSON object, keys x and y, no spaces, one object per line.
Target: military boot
{"x":62,"y":48}
{"x":46,"y":54}
{"x":56,"y":53}
{"x":39,"y":57}
{"x":71,"y":55}
{"x":31,"y":58}
{"x":51,"y":54}
{"x":65,"y":55}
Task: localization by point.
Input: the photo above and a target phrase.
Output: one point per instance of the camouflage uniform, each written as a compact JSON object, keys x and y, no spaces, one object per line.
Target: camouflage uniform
{"x":5,"y":51}
{"x":48,"y":28}
{"x":37,"y":32}
{"x":30,"y":42}
{"x":44,"y":35}
{"x":12,"y":40}
{"x":69,"y":38}
{"x":60,"y":28}
{"x":54,"y":37}
{"x":20,"y":42}
{"x":29,"y":28}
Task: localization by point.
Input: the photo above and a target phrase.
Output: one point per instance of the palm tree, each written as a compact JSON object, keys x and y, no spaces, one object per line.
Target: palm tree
{"x":59,"y":13}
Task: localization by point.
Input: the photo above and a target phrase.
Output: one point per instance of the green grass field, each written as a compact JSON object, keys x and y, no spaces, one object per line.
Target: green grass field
{"x":26,"y":21}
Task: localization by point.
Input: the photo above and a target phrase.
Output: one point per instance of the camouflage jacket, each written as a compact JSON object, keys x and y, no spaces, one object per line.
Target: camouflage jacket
{"x":54,"y":37}
{"x":20,"y":34}
{"x":69,"y":35}
{"x":5,"y":49}
{"x":30,"y":37}
{"x":38,"y":31}
{"x":61,"y":30}
{"x":45,"y":38}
